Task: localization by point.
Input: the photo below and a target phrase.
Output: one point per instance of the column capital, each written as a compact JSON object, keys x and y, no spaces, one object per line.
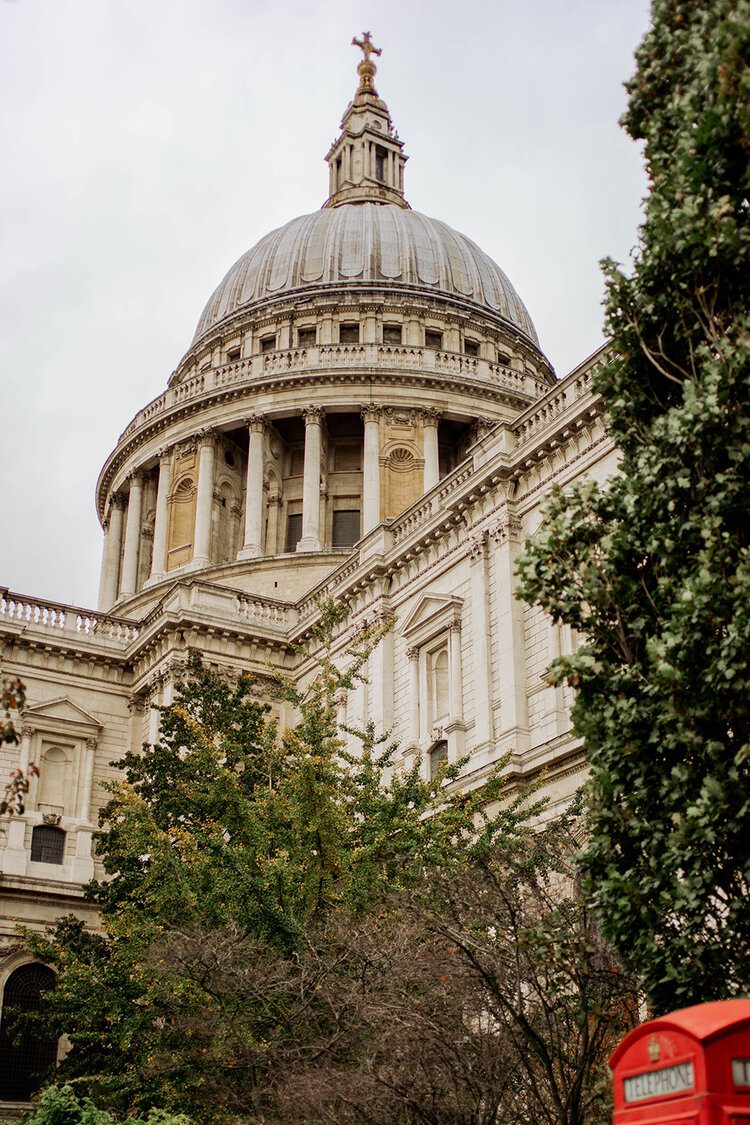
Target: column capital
{"x":164,"y":451}
{"x":256,"y":423}
{"x":92,"y":743}
{"x":412,"y":653}
{"x":477,"y":547}
{"x":429,"y":416}
{"x":135,"y":478}
{"x":26,"y":731}
{"x":507,"y":528}
{"x":371,"y":411}
{"x":207,"y":436}
{"x":313,"y":414}
{"x":117,"y":500}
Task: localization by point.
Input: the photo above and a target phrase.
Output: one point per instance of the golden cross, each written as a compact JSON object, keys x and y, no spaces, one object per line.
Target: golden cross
{"x":366,"y":45}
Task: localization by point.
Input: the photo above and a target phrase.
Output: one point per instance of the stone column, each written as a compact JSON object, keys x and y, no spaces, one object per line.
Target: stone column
{"x":110,"y":575}
{"x":87,"y":782}
{"x":254,"y":496}
{"x":132,"y":535}
{"x":509,"y":631}
{"x":371,"y":468}
{"x":412,"y":655}
{"x":272,"y":534}
{"x":480,"y":644}
{"x":310,"y":540}
{"x":205,"y":500}
{"x":456,"y":670}
{"x":24,"y":749}
{"x":381,"y":680}
{"x":431,"y":458}
{"x":161,"y":517}
{"x":16,"y":856}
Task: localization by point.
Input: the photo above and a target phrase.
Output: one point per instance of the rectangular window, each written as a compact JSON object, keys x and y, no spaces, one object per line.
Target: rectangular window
{"x":348,"y":333}
{"x":293,"y":532}
{"x":233,"y":355}
{"x":380,"y":158}
{"x":471,"y":347}
{"x":391,"y":333}
{"x":345,"y":527}
{"x":268,"y":344}
{"x":306,"y":338}
{"x":433,"y":340}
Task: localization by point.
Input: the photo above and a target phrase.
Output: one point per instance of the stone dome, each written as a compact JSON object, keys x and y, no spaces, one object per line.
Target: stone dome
{"x":367,"y":243}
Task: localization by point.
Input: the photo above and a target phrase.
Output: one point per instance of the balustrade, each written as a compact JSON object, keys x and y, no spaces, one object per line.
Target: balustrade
{"x":68,"y":620}
{"x":332,"y":356}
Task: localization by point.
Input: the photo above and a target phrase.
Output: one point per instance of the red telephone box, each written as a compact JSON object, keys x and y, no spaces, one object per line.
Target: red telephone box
{"x":691,"y":1067}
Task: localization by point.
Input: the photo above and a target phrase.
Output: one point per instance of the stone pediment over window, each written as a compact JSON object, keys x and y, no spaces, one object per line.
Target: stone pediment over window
{"x":434,"y":614}
{"x":61,"y":715}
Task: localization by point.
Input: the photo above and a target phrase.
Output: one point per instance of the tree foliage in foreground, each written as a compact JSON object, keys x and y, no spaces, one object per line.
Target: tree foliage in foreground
{"x":228,"y":837}
{"x":654,"y":569}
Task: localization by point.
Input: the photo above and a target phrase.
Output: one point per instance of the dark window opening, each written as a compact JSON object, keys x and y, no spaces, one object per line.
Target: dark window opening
{"x":345,"y":527}
{"x":348,"y":333}
{"x":380,"y":158}
{"x":504,"y":360}
{"x":438,"y":758}
{"x":25,"y":1057}
{"x":433,"y":340}
{"x":233,"y":354}
{"x":293,"y":532}
{"x":268,"y":344}
{"x":347,"y":457}
{"x":391,"y":333}
{"x":47,"y":844}
{"x":306,"y":338}
{"x":229,"y":458}
{"x":471,"y":347}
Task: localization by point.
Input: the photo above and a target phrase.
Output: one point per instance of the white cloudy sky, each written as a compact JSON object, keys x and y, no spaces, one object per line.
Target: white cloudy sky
{"x":146,"y":144}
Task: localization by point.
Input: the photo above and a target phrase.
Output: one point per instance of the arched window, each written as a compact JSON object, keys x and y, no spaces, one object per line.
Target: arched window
{"x":25,"y":1057}
{"x":47,"y":844}
{"x":438,"y":758}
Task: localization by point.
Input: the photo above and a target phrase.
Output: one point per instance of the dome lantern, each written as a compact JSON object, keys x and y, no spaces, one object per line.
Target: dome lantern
{"x":366,"y":162}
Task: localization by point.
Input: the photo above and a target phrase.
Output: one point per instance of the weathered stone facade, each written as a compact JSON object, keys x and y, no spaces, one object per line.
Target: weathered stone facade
{"x":365,"y":414}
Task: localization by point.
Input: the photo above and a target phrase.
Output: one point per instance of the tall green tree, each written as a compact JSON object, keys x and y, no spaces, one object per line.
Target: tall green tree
{"x":654,"y":568}
{"x":228,"y":847}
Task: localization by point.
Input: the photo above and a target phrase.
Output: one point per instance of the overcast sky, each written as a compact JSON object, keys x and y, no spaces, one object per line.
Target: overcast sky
{"x":146,"y":144}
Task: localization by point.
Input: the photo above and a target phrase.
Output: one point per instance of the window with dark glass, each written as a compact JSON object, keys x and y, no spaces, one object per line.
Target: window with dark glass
{"x":391,"y":333}
{"x":268,"y":344}
{"x":349,"y":333}
{"x":380,"y":158}
{"x":25,"y":1055}
{"x":433,"y":340}
{"x":471,"y":347}
{"x":306,"y":337}
{"x":293,"y":532}
{"x":47,"y":844}
{"x":503,"y":359}
{"x":345,"y":527}
{"x":233,"y":355}
{"x":438,"y":758}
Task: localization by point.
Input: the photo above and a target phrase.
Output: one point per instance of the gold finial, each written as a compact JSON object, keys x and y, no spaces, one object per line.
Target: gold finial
{"x":366,"y":69}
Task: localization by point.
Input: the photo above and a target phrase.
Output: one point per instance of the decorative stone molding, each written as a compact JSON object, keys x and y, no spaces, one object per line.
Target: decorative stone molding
{"x":51,"y":818}
{"x":313,"y":413}
{"x":135,"y":477}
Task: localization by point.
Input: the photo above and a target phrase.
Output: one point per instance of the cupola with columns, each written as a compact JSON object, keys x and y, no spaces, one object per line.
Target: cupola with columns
{"x":343,"y":366}
{"x":366,"y":163}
